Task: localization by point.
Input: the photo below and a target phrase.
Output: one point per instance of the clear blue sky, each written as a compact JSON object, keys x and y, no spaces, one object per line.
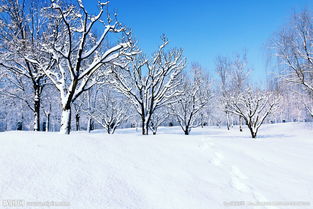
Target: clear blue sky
{"x":206,"y":29}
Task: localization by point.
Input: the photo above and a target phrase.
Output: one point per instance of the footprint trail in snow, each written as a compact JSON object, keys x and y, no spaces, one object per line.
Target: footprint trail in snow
{"x":238,"y":180}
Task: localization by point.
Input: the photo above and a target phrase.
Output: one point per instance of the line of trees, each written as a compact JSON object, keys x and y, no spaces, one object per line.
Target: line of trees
{"x":62,"y":65}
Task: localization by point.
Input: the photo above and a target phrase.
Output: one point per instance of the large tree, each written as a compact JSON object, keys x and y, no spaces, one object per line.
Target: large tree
{"x":21,"y":34}
{"x":79,"y":53}
{"x":293,"y":46}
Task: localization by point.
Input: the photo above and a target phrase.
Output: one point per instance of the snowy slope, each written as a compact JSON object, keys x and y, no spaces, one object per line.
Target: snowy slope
{"x":207,"y":169}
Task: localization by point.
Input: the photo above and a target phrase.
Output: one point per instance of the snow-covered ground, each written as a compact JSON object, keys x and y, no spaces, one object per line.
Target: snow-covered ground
{"x":211,"y":168}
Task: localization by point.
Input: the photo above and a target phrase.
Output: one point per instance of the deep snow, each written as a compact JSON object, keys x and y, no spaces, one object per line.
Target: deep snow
{"x":208,"y":169}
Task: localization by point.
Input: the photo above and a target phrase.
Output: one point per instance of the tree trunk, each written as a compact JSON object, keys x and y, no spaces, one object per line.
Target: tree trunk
{"x":20,"y":124}
{"x":37,"y":109}
{"x":77,"y":117}
{"x":48,"y":123}
{"x":113,"y":130}
{"x":227,"y":121}
{"x":89,"y":125}
{"x":108,"y":129}
{"x":253,"y":133}
{"x":187,"y":130}
{"x":6,"y":123}
{"x":240,"y":123}
{"x":145,"y":129}
{"x":145,"y":126}
{"x":66,"y":120}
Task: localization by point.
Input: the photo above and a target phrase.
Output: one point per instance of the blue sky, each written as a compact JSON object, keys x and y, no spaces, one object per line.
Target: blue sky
{"x":206,"y":29}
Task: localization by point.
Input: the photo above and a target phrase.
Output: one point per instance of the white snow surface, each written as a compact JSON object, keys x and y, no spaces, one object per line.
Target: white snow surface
{"x":208,"y":169}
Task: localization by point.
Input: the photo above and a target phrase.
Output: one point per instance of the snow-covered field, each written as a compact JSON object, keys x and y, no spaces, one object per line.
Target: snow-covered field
{"x":211,"y":168}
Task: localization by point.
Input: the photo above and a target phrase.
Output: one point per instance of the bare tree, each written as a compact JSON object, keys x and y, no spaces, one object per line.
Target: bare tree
{"x":157,"y":118}
{"x":239,"y":76}
{"x":196,"y":95}
{"x":21,"y":32}
{"x":91,"y":97}
{"x":50,"y":105}
{"x":233,"y":74}
{"x":223,"y":69}
{"x":150,"y":84}
{"x":253,"y":106}
{"x":110,"y":110}
{"x":78,"y":53}
{"x":293,"y":46}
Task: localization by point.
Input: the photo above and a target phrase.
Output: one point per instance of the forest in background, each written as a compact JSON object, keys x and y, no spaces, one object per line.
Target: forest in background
{"x":63,"y":68}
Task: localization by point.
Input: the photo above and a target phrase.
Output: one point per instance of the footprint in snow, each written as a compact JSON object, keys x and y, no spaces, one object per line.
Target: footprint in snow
{"x":217,"y":159}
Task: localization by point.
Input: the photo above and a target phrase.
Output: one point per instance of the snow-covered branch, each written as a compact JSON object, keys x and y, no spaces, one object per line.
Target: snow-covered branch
{"x":79,"y":54}
{"x":196,"y":95}
{"x":150,"y":83}
{"x":254,"y":106}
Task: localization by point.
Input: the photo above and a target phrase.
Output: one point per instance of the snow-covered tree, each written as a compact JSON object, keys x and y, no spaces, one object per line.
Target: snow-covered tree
{"x":239,"y":76}
{"x":308,"y":103}
{"x":294,"y":103}
{"x":50,"y":105}
{"x":91,"y":97}
{"x":254,"y":106}
{"x":79,"y":53}
{"x":233,"y":75}
{"x":21,"y":34}
{"x":223,"y":70}
{"x":158,"y":117}
{"x":150,"y":84}
{"x":293,"y":46}
{"x":195,"y":97}
{"x":110,"y":110}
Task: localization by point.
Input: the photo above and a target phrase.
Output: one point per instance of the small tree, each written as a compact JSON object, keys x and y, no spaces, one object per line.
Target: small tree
{"x":233,"y":75}
{"x":253,"y":106}
{"x":195,"y":96}
{"x":239,"y":77}
{"x":157,"y":118}
{"x":223,"y":70}
{"x":150,"y":84}
{"x":110,"y":110}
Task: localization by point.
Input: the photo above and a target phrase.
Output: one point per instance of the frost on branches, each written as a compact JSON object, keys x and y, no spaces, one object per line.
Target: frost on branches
{"x":21,"y":35}
{"x":253,"y":106}
{"x":294,"y":48}
{"x":158,"y":117}
{"x":194,"y":98}
{"x":150,"y":84}
{"x":233,"y":77}
{"x":79,"y":53}
{"x":110,"y":110}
